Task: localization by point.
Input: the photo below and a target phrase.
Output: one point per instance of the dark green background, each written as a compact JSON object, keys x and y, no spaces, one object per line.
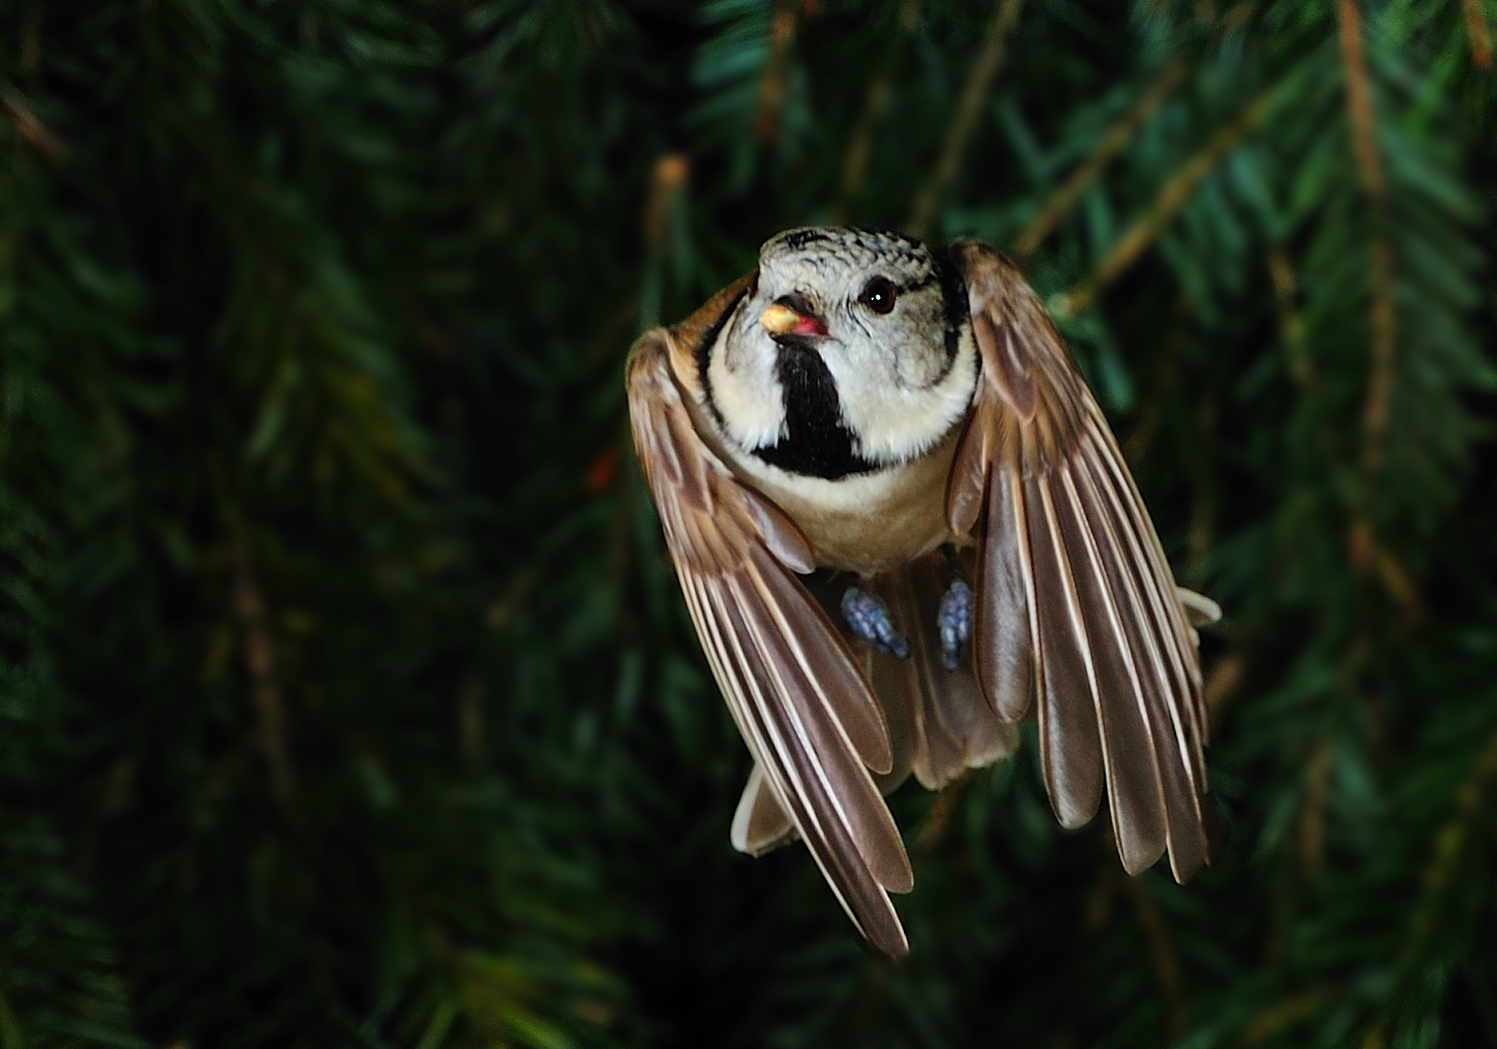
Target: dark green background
{"x":346,"y":696}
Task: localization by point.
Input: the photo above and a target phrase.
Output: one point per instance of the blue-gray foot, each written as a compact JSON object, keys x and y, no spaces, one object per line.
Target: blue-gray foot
{"x":869,"y":619}
{"x":954,"y":621}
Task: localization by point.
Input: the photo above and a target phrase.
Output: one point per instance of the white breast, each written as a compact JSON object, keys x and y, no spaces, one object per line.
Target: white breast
{"x":864,"y":523}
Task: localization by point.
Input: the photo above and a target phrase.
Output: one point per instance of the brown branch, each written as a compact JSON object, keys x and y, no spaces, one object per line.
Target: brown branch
{"x":1222,"y":683}
{"x":880,"y":90}
{"x":1312,"y":820}
{"x":1369,"y":170}
{"x":30,"y":58}
{"x":1170,"y":198}
{"x":1359,"y":97}
{"x":772,"y":87}
{"x":1273,"y":1019}
{"x":940,"y":813}
{"x":470,"y":720}
{"x":37,"y":134}
{"x":1112,"y":142}
{"x":1166,"y":964}
{"x":1291,"y":324}
{"x":989,"y":61}
{"x":1117,"y":137}
{"x":1380,"y":377}
{"x":1450,"y":842}
{"x":260,"y":664}
{"x":1479,"y":32}
{"x":671,"y":172}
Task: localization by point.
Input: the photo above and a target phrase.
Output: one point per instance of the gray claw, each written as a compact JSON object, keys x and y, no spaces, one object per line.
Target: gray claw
{"x":869,"y":619}
{"x":954,"y":621}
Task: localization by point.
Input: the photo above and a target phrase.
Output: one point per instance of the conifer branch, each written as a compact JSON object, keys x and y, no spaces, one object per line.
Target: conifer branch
{"x":1116,"y":138}
{"x":1169,"y":200}
{"x":880,"y":90}
{"x":1112,"y":142}
{"x":260,"y":665}
{"x":989,"y":62}
{"x":1451,"y":843}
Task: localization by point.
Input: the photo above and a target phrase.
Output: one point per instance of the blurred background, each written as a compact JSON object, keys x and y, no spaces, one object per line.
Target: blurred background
{"x":346,"y":694}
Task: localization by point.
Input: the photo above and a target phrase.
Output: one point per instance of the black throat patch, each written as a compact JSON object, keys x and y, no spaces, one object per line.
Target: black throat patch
{"x":816,"y":442}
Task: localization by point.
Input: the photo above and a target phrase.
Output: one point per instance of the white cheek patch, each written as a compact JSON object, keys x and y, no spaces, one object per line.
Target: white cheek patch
{"x":893,"y":423}
{"x":741,"y":378}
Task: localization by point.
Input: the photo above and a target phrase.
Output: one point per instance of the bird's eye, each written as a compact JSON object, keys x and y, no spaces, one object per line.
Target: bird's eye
{"x":878,"y":295}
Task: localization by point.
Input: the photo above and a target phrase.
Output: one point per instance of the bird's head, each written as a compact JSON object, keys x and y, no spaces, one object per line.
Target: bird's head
{"x":847,"y":336}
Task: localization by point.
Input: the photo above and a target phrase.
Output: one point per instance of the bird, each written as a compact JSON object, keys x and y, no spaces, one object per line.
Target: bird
{"x":901,"y":524}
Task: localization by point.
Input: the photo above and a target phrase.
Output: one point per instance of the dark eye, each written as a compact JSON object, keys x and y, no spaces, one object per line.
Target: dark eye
{"x":878,"y":295}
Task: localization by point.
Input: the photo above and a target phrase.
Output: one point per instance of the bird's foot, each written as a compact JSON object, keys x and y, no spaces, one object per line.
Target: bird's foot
{"x":954,"y":622}
{"x":869,"y":619}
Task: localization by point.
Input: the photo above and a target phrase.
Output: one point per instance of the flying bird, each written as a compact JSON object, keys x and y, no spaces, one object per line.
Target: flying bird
{"x":900,"y":521}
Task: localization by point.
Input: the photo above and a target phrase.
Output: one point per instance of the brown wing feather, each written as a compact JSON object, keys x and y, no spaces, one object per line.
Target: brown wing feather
{"x":803,"y":705}
{"x":1076,"y":603}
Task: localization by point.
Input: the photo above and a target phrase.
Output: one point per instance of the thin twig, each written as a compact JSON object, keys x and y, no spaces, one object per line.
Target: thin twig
{"x":939,"y":815}
{"x":1450,"y":843}
{"x":671,"y":172}
{"x":989,"y":61}
{"x":1170,"y":198}
{"x":31,"y":129}
{"x":1369,"y":170}
{"x":772,"y":87}
{"x":880,"y":90}
{"x":1291,"y":324}
{"x":1222,"y":683}
{"x":1380,"y":377}
{"x":260,"y":664}
{"x":1359,"y":97}
{"x":1117,"y":137}
{"x":1166,"y":964}
{"x":1312,"y":820}
{"x":1275,"y":1018}
{"x":1479,"y":33}
{"x":1112,"y":142}
{"x":30,"y":59}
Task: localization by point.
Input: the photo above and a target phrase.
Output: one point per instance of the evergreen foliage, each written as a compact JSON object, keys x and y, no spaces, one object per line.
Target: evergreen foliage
{"x":347,"y":696}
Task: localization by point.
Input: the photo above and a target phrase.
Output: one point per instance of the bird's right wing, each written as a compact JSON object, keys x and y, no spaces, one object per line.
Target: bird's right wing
{"x":804,"y":707}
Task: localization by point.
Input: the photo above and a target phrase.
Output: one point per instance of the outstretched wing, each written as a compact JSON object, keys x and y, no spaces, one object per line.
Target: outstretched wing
{"x":804,"y":707}
{"x":1076,"y":604}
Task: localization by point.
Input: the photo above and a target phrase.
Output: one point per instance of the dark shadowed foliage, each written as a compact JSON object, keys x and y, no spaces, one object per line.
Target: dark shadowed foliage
{"x":347,"y":697}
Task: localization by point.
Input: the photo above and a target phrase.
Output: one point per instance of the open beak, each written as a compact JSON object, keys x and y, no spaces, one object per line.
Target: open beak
{"x":780,"y":319}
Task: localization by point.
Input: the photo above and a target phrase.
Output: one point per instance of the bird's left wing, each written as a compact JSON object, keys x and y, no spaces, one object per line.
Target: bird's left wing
{"x":804,"y":707}
{"x":1075,"y":601}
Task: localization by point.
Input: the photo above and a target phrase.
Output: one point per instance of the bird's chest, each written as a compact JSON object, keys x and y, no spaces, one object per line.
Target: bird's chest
{"x":868,"y":522}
